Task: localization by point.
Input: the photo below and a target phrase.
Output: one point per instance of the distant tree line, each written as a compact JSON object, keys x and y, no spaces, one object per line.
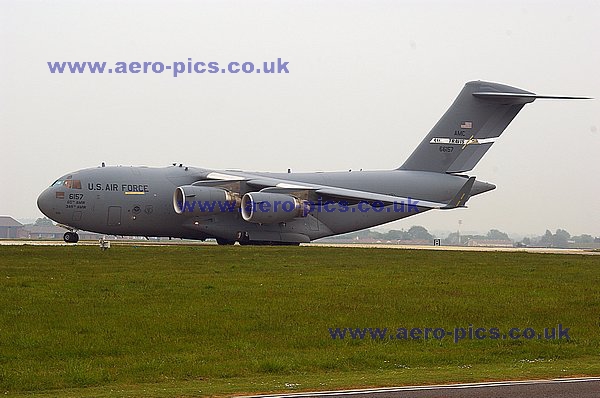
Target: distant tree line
{"x":493,"y":234}
{"x":43,"y":222}
{"x":416,"y":232}
{"x":560,"y":239}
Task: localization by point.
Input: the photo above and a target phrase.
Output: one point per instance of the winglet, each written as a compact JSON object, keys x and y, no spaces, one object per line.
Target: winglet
{"x":462,"y":195}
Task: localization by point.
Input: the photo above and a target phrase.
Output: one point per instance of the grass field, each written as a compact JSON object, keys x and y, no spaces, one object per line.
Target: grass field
{"x":200,"y":320}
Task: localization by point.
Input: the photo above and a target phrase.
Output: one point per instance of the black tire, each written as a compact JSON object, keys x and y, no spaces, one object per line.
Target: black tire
{"x":224,"y":242}
{"x":71,"y":237}
{"x":243,"y":238}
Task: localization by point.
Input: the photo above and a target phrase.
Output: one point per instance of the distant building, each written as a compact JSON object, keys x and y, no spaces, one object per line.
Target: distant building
{"x":490,"y":242}
{"x":50,"y":232}
{"x":414,"y":242}
{"x":42,"y":232}
{"x":9,"y":227}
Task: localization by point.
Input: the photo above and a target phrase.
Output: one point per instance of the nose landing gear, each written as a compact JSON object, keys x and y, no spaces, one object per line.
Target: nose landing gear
{"x":71,"y":237}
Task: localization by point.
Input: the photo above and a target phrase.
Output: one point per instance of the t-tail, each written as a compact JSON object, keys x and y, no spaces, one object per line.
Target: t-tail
{"x":478,"y":116}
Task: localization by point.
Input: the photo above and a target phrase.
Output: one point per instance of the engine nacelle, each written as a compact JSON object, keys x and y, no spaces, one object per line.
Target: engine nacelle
{"x":272,"y":208}
{"x":194,"y":200}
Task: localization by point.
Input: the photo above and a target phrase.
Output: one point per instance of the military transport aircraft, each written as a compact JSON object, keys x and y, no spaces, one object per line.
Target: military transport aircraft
{"x":289,"y":208}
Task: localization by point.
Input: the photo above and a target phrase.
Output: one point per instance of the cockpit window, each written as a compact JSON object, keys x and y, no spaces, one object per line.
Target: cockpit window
{"x":73,"y":184}
{"x":57,"y":183}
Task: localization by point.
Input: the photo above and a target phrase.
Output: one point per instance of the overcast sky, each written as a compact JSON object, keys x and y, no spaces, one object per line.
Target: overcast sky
{"x":366,"y":82}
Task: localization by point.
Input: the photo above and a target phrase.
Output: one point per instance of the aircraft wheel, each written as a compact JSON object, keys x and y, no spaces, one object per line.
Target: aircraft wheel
{"x":221,"y":242}
{"x":71,"y":237}
{"x":243,"y":238}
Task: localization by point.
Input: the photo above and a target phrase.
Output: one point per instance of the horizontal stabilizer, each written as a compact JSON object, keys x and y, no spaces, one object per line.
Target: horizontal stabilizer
{"x":519,"y":98}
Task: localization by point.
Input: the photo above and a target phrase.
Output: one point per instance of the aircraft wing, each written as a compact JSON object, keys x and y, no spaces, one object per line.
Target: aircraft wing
{"x":351,"y":194}
{"x":462,"y":195}
{"x":275,"y":185}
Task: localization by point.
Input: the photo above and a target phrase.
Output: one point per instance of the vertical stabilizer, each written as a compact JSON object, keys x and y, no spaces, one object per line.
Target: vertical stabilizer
{"x":469,"y":127}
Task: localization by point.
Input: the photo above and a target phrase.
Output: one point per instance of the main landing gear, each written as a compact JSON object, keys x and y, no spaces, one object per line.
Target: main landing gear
{"x":71,"y":237}
{"x":243,"y":238}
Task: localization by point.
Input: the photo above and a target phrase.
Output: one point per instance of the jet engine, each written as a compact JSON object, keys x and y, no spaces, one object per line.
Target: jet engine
{"x":272,"y":208}
{"x":193,"y":199}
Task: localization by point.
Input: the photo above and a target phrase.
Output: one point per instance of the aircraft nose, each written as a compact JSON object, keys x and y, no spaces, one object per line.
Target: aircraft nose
{"x":44,"y":202}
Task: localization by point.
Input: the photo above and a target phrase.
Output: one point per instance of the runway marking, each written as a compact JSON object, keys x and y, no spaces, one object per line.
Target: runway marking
{"x":425,"y":388}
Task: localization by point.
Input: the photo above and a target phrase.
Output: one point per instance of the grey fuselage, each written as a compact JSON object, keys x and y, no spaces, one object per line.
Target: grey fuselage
{"x":138,"y":201}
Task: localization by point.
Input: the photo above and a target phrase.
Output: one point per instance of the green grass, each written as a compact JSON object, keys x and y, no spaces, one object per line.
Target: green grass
{"x":203,"y":320}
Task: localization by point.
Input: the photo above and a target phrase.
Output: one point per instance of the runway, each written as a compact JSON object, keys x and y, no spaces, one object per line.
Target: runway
{"x":543,"y":250}
{"x":174,"y":242}
{"x":587,"y":387}
{"x":96,"y":243}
